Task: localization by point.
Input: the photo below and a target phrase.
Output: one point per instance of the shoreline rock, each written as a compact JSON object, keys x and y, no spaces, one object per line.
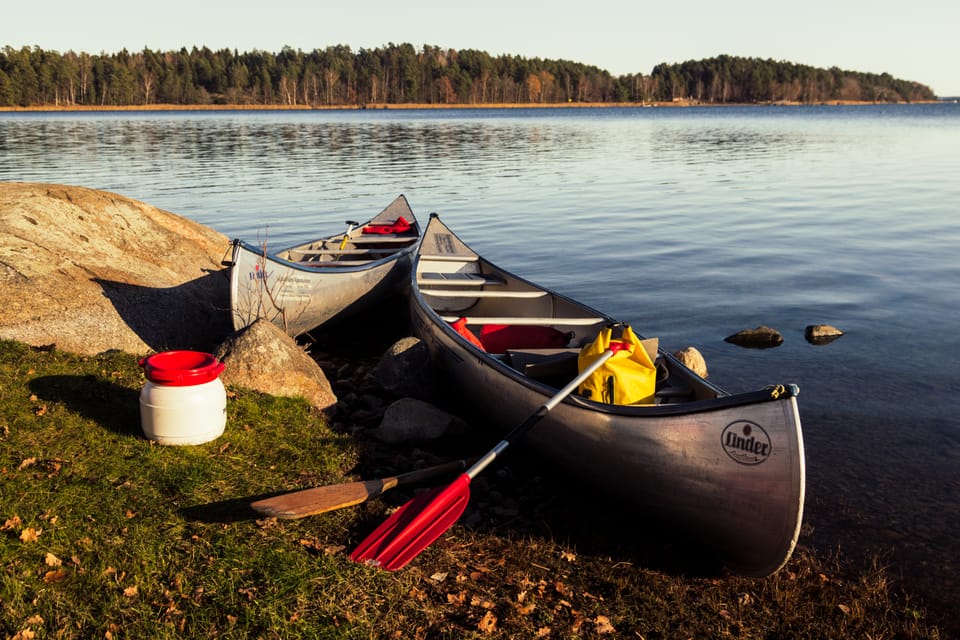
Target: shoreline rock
{"x":90,"y":271}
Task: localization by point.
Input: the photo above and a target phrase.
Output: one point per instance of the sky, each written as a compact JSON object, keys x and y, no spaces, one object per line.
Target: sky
{"x":917,"y":40}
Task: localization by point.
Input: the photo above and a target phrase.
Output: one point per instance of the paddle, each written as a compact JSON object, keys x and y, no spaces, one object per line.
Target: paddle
{"x":308,"y":502}
{"x":413,"y":527}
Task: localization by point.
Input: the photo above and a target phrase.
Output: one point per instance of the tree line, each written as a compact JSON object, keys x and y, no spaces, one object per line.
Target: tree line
{"x":403,"y":74}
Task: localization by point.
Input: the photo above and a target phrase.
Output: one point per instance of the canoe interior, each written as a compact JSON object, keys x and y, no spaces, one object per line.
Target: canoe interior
{"x":457,"y":283}
{"x":355,"y":245}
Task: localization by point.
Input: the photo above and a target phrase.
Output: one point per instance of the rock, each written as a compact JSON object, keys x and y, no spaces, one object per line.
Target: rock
{"x":409,"y":420}
{"x":762,"y":337}
{"x":693,"y":360}
{"x":406,"y":369}
{"x":91,"y":271}
{"x":821,"y":333}
{"x":264,"y":358}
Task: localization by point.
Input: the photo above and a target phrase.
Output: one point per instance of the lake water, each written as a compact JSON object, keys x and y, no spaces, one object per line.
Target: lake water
{"x":690,"y":223}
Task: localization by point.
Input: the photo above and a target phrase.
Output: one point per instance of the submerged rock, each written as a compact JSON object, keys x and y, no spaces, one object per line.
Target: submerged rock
{"x":762,"y":337}
{"x":821,"y":334}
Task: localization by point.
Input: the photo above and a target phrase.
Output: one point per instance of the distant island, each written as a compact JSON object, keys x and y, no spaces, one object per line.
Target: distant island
{"x":399,"y":75}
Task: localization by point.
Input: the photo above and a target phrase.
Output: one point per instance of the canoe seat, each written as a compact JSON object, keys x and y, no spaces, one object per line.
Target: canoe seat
{"x":359,"y":252}
{"x":314,"y":254}
{"x":452,"y":293}
{"x":458,"y":279}
{"x":544,"y":363}
{"x":549,"y":321}
{"x":382,"y":238}
{"x":441,"y":257}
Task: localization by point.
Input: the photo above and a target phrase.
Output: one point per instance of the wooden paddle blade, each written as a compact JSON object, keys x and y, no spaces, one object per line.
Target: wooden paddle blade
{"x":414,"y":526}
{"x":308,"y":502}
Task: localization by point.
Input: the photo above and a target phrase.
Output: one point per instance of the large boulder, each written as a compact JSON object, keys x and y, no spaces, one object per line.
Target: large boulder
{"x":264,"y":358}
{"x":90,"y":271}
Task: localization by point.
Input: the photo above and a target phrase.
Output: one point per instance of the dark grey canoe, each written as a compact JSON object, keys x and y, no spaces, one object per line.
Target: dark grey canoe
{"x":728,"y":468}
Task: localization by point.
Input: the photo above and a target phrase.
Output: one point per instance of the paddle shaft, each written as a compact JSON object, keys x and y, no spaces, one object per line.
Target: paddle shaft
{"x":539,"y":414}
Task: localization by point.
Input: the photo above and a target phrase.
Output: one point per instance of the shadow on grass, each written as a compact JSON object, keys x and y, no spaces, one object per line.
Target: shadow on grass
{"x":226,"y":511}
{"x":111,"y":405}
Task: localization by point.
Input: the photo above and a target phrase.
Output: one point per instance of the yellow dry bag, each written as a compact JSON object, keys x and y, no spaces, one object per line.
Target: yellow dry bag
{"x":627,"y":377}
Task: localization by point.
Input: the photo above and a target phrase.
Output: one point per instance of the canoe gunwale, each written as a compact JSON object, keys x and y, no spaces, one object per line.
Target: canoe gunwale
{"x":321,"y":267}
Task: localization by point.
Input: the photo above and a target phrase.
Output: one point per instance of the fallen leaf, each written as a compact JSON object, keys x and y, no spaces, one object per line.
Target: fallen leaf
{"x":52,"y":560}
{"x":26,"y":462}
{"x":54,"y":576}
{"x":527,"y":609}
{"x":543,"y":632}
{"x":30,"y":534}
{"x":41,"y":410}
{"x":440,"y":576}
{"x":602,"y":625}
{"x":844,"y":608}
{"x":35,"y":619}
{"x":12,"y":523}
{"x":131,"y":591}
{"x":26,"y":634}
{"x":569,"y":557}
{"x":487,"y":624}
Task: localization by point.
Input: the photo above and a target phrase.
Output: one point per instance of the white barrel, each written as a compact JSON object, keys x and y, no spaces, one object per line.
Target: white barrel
{"x":183,"y":401}
{"x":180,"y":415}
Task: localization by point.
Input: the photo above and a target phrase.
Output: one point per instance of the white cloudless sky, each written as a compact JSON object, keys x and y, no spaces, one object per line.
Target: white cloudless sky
{"x":917,"y":40}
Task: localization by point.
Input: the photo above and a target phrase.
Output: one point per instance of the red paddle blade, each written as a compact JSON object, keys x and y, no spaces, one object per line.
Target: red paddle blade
{"x":414,"y":526}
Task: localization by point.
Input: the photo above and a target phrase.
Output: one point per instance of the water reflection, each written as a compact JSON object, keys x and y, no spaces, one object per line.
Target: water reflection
{"x":724,"y":144}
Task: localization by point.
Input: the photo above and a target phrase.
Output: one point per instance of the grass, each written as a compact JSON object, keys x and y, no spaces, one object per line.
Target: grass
{"x":106,"y":535}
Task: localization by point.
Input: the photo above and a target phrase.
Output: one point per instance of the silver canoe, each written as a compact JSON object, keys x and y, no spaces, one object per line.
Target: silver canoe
{"x":727,"y":468}
{"x":301,"y":288}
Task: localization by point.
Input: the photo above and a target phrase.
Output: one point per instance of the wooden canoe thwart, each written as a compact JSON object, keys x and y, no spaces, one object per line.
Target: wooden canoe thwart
{"x":727,"y":468}
{"x":305,"y":286}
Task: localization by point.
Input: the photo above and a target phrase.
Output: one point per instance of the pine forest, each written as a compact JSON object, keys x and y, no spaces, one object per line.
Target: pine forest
{"x":399,"y":74}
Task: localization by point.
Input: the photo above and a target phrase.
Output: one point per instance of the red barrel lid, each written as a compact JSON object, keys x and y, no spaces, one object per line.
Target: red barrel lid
{"x":181,"y":368}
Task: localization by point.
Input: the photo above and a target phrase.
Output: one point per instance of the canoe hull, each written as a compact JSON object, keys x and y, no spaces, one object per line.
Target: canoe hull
{"x":730,"y":470}
{"x":298,"y":299}
{"x":308,"y":285}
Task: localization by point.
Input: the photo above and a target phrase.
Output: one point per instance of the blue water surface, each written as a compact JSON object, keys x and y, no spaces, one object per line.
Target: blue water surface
{"x":690,"y":223}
